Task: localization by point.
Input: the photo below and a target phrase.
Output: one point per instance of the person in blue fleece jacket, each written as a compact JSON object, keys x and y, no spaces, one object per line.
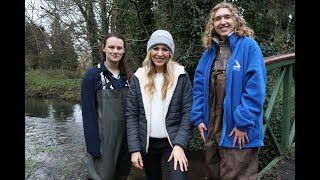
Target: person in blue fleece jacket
{"x":103,"y":101}
{"x":228,"y":96}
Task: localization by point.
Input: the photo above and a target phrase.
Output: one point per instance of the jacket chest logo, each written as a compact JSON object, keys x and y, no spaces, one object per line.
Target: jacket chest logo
{"x":236,"y":66}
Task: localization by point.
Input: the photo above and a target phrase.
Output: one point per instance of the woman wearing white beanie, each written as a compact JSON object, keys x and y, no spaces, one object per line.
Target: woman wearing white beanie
{"x":158,"y":111}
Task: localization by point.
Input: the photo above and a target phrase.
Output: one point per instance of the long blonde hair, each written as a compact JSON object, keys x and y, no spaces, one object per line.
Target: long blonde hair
{"x":168,"y":74}
{"x":241,"y":28}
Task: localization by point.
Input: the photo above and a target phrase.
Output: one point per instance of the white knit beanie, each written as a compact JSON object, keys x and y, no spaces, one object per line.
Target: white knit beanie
{"x":161,"y":37}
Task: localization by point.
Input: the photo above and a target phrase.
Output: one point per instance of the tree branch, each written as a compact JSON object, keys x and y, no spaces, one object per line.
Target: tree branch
{"x":139,"y":16}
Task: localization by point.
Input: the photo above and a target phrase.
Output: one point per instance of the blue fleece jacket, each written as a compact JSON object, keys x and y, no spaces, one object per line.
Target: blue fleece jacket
{"x":245,"y":91}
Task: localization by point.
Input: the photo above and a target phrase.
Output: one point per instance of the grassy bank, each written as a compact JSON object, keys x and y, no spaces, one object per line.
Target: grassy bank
{"x":59,"y":84}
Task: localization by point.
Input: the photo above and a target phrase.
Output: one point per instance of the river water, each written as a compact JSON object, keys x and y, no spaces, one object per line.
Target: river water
{"x":55,"y":147}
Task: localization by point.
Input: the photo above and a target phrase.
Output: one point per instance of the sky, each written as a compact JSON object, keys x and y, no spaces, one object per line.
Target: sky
{"x":34,"y":12}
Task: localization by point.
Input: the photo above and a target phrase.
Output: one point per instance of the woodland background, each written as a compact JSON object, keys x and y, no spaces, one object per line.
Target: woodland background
{"x":63,"y":37}
{"x":67,"y":34}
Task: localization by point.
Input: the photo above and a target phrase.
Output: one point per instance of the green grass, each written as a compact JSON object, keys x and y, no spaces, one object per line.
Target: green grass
{"x":59,"y":84}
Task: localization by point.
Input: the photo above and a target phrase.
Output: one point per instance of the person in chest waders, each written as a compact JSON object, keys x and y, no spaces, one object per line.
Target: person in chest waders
{"x":103,"y":102}
{"x":229,"y":91}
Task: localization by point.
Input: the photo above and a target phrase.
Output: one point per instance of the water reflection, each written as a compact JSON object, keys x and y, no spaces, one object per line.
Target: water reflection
{"x":54,"y":139}
{"x":62,"y":110}
{"x":59,"y":110}
{"x":36,"y":108}
{"x":54,"y":142}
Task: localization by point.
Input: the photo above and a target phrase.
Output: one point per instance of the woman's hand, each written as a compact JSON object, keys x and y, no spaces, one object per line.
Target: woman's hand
{"x":201,"y":129}
{"x":239,"y":136}
{"x":178,"y":155}
{"x":136,"y":160}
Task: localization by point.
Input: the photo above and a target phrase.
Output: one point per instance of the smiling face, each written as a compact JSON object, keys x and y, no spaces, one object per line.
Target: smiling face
{"x":160,"y":55}
{"x":114,"y":49}
{"x":223,"y":22}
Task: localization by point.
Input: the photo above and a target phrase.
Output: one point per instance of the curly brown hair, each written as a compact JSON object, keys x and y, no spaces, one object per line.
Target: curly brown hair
{"x":241,"y":28}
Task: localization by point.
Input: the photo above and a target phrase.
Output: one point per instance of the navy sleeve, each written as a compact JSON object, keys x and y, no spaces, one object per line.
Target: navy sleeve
{"x":89,"y":114}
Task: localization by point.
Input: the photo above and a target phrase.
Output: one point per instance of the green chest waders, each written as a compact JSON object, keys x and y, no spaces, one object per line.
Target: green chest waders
{"x":114,"y":162}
